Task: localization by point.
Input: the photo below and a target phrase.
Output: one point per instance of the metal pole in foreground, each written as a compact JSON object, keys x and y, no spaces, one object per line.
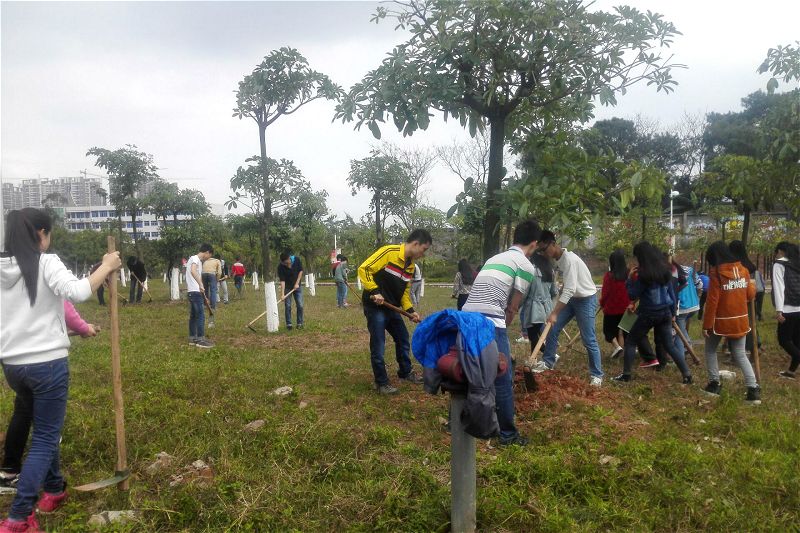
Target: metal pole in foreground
{"x":462,"y":471}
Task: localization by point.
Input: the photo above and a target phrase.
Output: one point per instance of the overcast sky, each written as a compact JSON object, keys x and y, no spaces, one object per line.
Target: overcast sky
{"x":163,"y":76}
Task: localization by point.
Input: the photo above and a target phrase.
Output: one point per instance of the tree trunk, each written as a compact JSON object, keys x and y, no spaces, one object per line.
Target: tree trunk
{"x":378,"y":232}
{"x":494,"y":182}
{"x":267,"y":274}
{"x":746,"y":225}
{"x":135,"y":235}
{"x":119,"y":219}
{"x":266,"y":251}
{"x":644,"y":226}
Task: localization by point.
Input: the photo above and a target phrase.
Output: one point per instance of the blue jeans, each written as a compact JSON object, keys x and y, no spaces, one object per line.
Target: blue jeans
{"x":379,"y":321}
{"x":504,"y":389}
{"x":45,"y":385}
{"x":583,"y":311}
{"x":341,"y":294}
{"x":683,"y":324}
{"x":210,"y":284}
{"x":287,"y":307}
{"x":197,"y":315}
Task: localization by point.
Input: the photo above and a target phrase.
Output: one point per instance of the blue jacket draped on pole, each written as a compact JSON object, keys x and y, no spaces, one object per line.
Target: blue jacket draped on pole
{"x":473,"y":336}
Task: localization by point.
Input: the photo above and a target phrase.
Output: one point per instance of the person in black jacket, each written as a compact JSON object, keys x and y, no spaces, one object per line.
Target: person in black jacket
{"x":138,"y":277}
{"x":290,"y":274}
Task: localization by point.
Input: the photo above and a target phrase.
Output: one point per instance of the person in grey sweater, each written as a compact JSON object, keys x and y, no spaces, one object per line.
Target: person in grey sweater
{"x":538,"y":303}
{"x":340,"y":276}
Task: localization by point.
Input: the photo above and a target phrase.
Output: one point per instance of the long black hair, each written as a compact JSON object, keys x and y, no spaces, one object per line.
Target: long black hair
{"x":617,"y":265}
{"x":739,"y":251}
{"x":545,"y":266}
{"x":467,"y":273}
{"x":653,"y":268}
{"x":791,"y":251}
{"x":23,"y":244}
{"x":718,"y":253}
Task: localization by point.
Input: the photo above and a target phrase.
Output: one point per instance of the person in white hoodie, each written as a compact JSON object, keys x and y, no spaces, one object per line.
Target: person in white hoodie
{"x":33,"y":351}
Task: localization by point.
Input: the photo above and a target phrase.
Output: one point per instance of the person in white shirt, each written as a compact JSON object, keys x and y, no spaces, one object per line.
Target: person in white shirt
{"x":578,"y":300}
{"x":197,"y":297}
{"x":33,"y":351}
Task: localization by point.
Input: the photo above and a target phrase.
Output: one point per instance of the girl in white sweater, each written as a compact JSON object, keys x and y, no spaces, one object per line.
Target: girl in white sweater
{"x":33,"y":351}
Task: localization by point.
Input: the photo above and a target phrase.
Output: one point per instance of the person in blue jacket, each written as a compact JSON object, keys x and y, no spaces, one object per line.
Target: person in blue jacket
{"x":651,"y":284}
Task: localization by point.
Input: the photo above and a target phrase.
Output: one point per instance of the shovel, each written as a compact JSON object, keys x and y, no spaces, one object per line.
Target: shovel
{"x":527,"y":370}
{"x":121,"y":474}
{"x":250,"y":325}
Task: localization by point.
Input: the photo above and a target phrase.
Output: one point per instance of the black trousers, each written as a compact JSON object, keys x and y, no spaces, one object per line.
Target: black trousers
{"x":789,"y":338}
{"x":19,"y":427}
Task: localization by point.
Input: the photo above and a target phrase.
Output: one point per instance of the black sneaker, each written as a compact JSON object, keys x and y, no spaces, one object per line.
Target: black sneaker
{"x":412,"y":377}
{"x":687,"y":380}
{"x":753,"y":396}
{"x":713,"y":388}
{"x":787,"y":375}
{"x":516,"y":440}
{"x":622,"y":378}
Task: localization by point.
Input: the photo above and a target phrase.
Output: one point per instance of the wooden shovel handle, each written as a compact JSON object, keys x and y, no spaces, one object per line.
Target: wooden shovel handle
{"x":756,"y":362}
{"x":116,"y":373}
{"x":686,"y":343}
{"x":542,"y":338}
{"x":256,"y":319}
{"x":397,"y":310}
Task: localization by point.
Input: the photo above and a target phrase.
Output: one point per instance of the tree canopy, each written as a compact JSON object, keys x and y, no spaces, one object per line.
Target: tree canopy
{"x":477,"y":61}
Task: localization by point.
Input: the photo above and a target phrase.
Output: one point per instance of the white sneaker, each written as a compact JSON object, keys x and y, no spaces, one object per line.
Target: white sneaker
{"x":541,"y":366}
{"x":594,"y":381}
{"x":521,"y":340}
{"x":617,"y":351}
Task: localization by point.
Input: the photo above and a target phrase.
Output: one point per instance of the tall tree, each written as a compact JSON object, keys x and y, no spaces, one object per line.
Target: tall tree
{"x":418,"y":162}
{"x":264,"y":186}
{"x":279,"y":86}
{"x":388,"y":180}
{"x":128,"y":171}
{"x":754,"y":154}
{"x":307,"y":218}
{"x":479,"y":61}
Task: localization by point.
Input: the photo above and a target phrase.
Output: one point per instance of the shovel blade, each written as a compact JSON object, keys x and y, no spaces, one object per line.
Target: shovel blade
{"x":118,"y":478}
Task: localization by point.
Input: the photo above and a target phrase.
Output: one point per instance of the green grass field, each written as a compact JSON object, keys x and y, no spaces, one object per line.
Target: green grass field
{"x":651,"y":455}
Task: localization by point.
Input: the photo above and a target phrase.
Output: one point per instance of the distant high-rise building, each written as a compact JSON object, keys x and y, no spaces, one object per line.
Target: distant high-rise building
{"x":12,"y":197}
{"x":57,"y":192}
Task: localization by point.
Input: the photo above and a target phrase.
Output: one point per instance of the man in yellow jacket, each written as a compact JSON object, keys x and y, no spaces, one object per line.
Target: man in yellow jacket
{"x":386,"y":277}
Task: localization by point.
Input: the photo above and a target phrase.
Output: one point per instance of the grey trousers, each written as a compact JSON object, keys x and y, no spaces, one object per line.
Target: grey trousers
{"x":737,"y":350}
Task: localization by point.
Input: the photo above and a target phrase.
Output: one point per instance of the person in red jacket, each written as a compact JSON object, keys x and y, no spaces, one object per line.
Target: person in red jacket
{"x":238,"y":273}
{"x":614,"y":301}
{"x":725,"y":315}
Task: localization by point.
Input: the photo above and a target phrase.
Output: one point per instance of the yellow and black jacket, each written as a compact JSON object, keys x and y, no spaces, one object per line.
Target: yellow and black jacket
{"x":387,"y":273}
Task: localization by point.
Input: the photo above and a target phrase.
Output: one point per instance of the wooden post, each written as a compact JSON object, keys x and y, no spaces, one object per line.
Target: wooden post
{"x":116,"y":374}
{"x":463,"y":480}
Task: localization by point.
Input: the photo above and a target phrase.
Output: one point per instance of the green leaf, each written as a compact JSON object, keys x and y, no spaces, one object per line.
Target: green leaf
{"x":373,"y":127}
{"x":772,"y":84}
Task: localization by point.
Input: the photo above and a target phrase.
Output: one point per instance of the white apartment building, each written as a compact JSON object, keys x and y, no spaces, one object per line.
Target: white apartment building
{"x":100,"y":216}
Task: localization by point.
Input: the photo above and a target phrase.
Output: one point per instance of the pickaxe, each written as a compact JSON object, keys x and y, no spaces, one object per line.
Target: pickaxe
{"x":149,"y":297}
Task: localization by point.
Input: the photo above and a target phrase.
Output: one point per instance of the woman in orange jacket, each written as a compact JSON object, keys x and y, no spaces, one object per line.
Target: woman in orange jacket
{"x":725,"y":315}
